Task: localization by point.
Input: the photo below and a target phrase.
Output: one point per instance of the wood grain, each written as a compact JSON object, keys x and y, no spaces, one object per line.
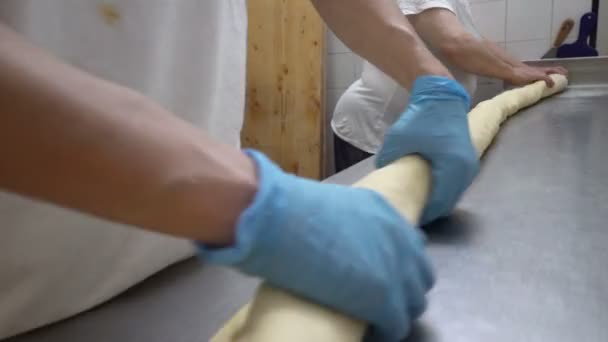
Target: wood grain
{"x":285,"y":77}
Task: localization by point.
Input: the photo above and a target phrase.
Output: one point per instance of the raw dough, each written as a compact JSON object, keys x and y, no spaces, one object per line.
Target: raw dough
{"x":275,"y":315}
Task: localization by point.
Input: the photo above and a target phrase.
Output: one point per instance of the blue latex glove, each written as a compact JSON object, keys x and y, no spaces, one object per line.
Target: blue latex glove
{"x":343,"y":247}
{"x":435,"y":126}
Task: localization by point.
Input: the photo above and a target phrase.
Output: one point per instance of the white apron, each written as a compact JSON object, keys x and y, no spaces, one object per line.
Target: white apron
{"x":188,"y":55}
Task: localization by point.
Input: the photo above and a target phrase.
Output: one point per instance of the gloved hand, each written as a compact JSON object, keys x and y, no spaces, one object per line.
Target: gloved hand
{"x":343,"y":247}
{"x":435,"y":126}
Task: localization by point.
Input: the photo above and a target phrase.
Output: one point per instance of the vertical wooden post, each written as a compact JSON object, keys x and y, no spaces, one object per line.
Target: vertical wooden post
{"x":285,"y":78}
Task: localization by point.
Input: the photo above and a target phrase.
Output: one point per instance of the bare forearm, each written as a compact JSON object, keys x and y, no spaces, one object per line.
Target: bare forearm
{"x":441,"y":29}
{"x":471,"y":55}
{"x":378,"y":32}
{"x":501,"y":53}
{"x":80,"y":142}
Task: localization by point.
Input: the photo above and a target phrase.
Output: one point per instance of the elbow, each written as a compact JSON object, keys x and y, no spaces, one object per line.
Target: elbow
{"x":397,"y":33}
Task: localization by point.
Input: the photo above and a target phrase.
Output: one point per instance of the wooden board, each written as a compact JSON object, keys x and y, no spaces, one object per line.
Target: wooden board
{"x":285,"y":77}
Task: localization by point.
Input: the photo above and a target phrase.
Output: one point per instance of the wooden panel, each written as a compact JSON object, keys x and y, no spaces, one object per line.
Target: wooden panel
{"x":285,"y":84}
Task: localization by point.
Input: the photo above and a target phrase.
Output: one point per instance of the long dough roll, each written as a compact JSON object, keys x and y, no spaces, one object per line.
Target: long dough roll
{"x":277,"y":316}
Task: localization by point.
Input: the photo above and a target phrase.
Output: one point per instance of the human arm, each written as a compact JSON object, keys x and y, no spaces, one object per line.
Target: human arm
{"x":441,"y":29}
{"x":515,"y":63}
{"x":70,"y":138}
{"x":501,"y":53}
{"x":378,"y":31}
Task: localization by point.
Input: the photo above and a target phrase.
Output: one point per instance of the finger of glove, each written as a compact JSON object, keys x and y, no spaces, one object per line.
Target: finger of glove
{"x":422,"y":264}
{"x":403,"y":308}
{"x":449,"y":180}
{"x":399,"y":141}
{"x":418,"y":281}
{"x":424,"y":130}
{"x":394,"y":148}
{"x":416,"y":274}
{"x":416,"y":302}
{"x":425,"y":269}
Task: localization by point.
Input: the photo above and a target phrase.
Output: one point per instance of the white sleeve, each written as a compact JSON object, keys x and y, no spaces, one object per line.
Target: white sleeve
{"x":413,"y":7}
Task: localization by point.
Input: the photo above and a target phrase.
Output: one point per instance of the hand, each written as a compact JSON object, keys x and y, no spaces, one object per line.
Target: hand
{"x":343,"y":247}
{"x":554,"y":70}
{"x":524,"y":74}
{"x":435,"y":126}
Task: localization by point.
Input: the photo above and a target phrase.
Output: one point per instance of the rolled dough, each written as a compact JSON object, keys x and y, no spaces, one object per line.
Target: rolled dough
{"x":277,"y":316}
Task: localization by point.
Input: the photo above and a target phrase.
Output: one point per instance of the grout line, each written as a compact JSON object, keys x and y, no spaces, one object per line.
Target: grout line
{"x":551,"y":23}
{"x":506,"y":20}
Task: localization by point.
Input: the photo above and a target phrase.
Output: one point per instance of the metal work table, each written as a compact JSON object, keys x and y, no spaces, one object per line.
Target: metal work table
{"x":523,"y":258}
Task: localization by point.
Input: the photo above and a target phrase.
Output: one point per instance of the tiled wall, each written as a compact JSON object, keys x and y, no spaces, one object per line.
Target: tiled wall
{"x":524,"y":27}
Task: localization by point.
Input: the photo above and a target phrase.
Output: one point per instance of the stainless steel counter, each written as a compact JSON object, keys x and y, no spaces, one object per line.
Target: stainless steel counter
{"x":522,"y":259}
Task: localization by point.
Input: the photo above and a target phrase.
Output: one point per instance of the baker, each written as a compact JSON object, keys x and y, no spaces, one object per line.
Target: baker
{"x":374,"y":102}
{"x":127,"y":114}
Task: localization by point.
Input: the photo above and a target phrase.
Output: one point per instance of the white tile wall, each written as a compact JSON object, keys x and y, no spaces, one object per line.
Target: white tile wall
{"x":490,"y":18}
{"x":528,"y":19}
{"x":528,"y":49}
{"x":358,"y":66}
{"x":341,"y":57}
{"x":341,"y":68}
{"x":331,"y":97}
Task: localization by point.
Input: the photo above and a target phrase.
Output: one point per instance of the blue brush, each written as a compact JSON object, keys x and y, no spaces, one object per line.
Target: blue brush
{"x":581,"y":47}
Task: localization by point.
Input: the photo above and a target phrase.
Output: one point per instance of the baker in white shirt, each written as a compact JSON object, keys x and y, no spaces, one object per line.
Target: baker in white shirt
{"x":375,"y":101}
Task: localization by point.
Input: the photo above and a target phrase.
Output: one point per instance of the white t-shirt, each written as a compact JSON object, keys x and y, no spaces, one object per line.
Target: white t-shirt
{"x":375,"y":101}
{"x":188,"y":55}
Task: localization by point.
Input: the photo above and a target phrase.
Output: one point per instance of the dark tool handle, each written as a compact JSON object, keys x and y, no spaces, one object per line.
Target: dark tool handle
{"x":588,"y":24}
{"x":595,"y":9}
{"x":563,"y":33}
